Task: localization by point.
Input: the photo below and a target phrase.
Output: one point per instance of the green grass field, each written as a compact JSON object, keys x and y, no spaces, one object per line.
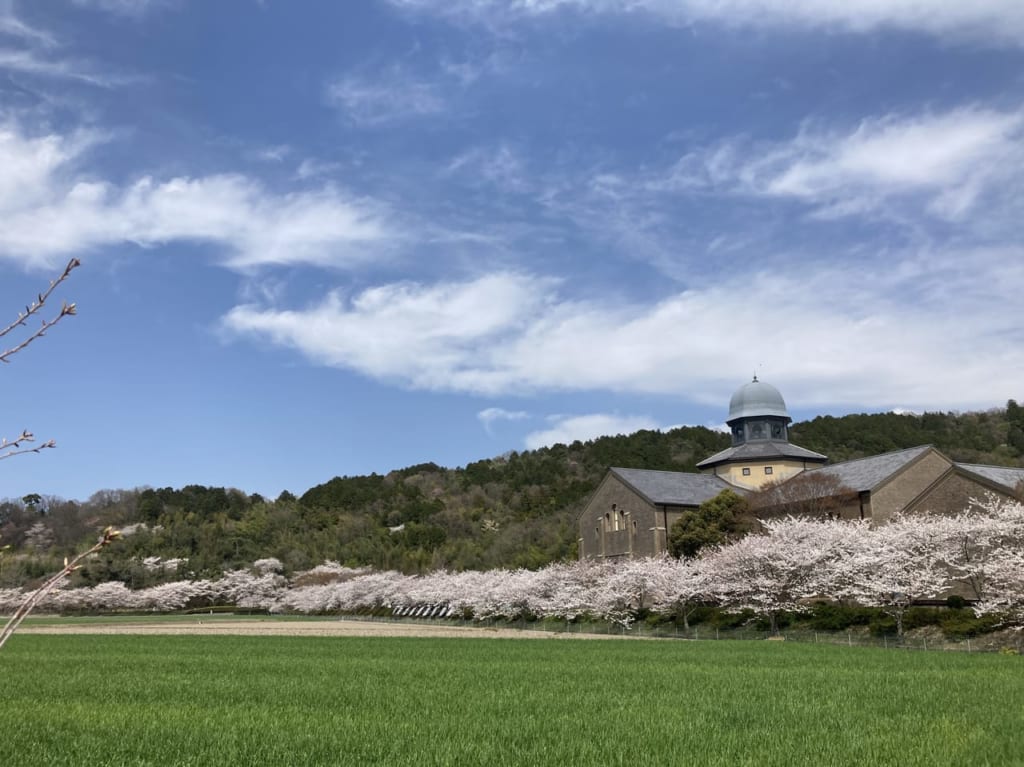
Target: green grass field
{"x":123,"y":700}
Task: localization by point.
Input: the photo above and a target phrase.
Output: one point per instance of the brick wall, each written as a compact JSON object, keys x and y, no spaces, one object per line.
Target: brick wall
{"x":952,"y":494}
{"x":907,"y":485}
{"x":642,"y":531}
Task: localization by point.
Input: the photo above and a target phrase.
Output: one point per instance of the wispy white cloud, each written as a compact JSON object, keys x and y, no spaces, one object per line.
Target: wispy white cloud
{"x":568,"y":429}
{"x":51,"y":208}
{"x":274,"y":153}
{"x":982,"y":21}
{"x":948,"y":160}
{"x":132,"y":8}
{"x":828,"y":335}
{"x":501,"y":166}
{"x":388,"y":96}
{"x":34,"y":51}
{"x":313,"y":168}
{"x":32,"y":62}
{"x":13,"y":26}
{"x":488,"y":416}
{"x":422,"y":335}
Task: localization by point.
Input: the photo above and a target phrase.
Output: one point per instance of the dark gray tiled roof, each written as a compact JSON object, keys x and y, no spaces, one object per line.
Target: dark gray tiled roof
{"x":868,"y":473}
{"x":1007,"y":476}
{"x":760,"y":451}
{"x":674,"y":487}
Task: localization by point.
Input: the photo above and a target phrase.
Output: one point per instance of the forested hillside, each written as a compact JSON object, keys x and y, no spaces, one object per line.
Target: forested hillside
{"x":516,"y":510}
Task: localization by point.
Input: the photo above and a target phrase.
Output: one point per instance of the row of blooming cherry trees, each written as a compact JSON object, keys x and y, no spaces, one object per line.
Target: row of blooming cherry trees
{"x":978,"y":554}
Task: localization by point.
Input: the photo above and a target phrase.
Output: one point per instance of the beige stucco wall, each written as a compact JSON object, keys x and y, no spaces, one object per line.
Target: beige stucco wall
{"x":902,"y":489}
{"x":780,"y":470}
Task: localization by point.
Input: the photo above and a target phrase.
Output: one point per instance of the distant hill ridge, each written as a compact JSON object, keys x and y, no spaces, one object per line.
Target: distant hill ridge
{"x":515,"y":510}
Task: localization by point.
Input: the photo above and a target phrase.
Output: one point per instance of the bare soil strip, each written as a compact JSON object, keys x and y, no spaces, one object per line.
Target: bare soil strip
{"x":270,"y":627}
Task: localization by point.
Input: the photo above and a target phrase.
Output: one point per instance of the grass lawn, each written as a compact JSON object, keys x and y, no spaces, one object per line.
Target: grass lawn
{"x":225,"y":700}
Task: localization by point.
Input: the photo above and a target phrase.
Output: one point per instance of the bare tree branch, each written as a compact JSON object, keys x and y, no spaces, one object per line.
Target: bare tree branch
{"x":34,"y":308}
{"x":16,"y":445}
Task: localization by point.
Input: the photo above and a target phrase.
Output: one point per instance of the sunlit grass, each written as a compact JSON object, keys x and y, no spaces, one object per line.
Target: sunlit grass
{"x":118,"y":700}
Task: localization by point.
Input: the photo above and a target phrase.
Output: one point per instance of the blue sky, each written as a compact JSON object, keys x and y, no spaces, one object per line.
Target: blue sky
{"x":326,"y":238}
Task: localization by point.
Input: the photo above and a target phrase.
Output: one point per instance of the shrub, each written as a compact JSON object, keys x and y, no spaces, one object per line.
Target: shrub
{"x":829,"y":616}
{"x":964,"y":623}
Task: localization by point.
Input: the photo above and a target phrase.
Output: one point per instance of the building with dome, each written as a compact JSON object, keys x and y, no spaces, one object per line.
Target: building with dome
{"x":760,"y":451}
{"x":632,"y":511}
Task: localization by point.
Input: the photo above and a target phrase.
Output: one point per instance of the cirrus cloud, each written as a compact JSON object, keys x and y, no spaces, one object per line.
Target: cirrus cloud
{"x":960,"y":166}
{"x":981,"y":21}
{"x":389,"y":96}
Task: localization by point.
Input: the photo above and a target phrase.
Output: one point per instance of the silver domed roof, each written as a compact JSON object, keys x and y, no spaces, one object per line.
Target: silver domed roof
{"x":756,"y":399}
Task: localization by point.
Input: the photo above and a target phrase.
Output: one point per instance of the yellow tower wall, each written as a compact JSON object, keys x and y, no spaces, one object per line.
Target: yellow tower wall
{"x":757,"y":475}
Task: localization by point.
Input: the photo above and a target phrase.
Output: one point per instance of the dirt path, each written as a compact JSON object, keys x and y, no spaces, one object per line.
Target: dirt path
{"x":270,"y":627}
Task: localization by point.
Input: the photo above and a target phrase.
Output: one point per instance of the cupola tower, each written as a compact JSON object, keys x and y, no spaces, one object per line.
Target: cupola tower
{"x":761,"y":451}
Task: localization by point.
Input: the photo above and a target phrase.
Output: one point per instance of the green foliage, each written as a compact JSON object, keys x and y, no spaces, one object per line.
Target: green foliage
{"x":977,"y":437}
{"x":828,"y":616}
{"x":958,"y":624}
{"x":714,"y":522}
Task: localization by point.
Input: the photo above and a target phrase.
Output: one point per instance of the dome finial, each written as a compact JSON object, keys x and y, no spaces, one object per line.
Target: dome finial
{"x":755,"y":378}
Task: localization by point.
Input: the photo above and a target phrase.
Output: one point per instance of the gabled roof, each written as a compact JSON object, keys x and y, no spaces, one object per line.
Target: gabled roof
{"x":674,"y":488}
{"x":761,"y":451}
{"x":1007,"y":476}
{"x":863,"y":474}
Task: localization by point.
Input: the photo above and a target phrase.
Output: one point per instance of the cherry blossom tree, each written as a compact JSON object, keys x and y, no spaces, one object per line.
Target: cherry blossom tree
{"x":682,"y":586}
{"x":1006,"y":586}
{"x":570,"y":591}
{"x":782,"y":569}
{"x":973,"y":538}
{"x":901,"y":562}
{"x":630,"y":587}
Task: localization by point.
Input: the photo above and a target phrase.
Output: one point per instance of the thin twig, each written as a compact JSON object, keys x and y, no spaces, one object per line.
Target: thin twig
{"x":34,"y":308}
{"x":16,"y":448}
{"x":109,"y":536}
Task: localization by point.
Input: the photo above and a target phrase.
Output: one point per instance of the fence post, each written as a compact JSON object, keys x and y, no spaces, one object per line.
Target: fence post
{"x":849,"y":638}
{"x":968,"y":644}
